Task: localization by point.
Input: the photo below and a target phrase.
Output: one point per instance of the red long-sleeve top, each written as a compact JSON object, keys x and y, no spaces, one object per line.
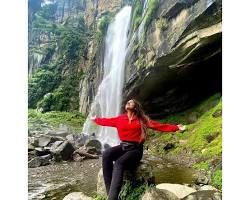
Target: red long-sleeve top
{"x":132,"y":131}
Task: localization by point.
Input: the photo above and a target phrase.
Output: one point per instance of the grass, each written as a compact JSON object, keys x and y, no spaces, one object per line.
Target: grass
{"x":203,"y":136}
{"x":201,"y":165}
{"x":74,"y":120}
{"x":133,"y":192}
{"x":217,"y":179}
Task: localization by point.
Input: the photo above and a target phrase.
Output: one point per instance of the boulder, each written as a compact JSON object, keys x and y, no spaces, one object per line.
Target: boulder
{"x":30,"y":147}
{"x":204,"y":195}
{"x":142,"y":174}
{"x":207,"y":187}
{"x":95,"y":143}
{"x":83,"y":153}
{"x":62,"y":150}
{"x":77,"y":196}
{"x":78,"y":158}
{"x":33,"y":141}
{"x":154,"y":193}
{"x":76,"y":140}
{"x":46,"y":140}
{"x":40,"y":151}
{"x":179,"y":190}
{"x":46,"y":159}
{"x":101,"y":190}
{"x":92,"y":150}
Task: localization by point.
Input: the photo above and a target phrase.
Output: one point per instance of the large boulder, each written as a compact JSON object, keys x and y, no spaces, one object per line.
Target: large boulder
{"x":76,"y":196}
{"x":154,"y":193}
{"x":179,"y":190}
{"x":204,"y":195}
{"x":62,"y":150}
{"x":142,"y":174}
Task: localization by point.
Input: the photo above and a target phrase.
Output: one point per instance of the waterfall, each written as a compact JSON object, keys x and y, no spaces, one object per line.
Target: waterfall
{"x":107,"y":102}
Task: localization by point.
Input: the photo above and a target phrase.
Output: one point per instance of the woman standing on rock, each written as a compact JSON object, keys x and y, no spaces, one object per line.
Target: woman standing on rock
{"x":132,"y":130}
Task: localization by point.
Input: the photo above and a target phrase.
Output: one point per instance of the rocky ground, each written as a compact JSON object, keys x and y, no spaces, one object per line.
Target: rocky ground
{"x":57,"y":180}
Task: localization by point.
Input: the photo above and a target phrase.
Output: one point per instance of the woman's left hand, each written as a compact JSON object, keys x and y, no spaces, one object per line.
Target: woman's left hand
{"x":181,"y":127}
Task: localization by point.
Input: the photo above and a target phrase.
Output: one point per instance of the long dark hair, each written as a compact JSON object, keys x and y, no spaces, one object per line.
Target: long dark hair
{"x":143,"y":118}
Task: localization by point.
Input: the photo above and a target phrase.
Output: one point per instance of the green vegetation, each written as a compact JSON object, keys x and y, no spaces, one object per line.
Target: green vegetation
{"x":129,"y":191}
{"x":42,"y":82}
{"x":55,"y":85}
{"x":201,"y":165}
{"x":98,"y":197}
{"x":53,"y":119}
{"x":102,"y":27}
{"x":73,"y":44}
{"x":48,"y":11}
{"x":152,"y":7}
{"x":63,"y":98}
{"x":137,"y":14}
{"x":217,"y":179}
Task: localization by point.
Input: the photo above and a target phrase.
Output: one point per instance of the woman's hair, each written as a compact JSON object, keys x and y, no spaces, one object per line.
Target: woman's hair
{"x":143,"y":118}
{"x":139,"y":112}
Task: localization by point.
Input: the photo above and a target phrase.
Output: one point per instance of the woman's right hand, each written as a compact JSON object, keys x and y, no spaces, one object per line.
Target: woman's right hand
{"x":93,"y":118}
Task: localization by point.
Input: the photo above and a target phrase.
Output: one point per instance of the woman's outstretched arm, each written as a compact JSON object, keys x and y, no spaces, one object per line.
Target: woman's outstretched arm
{"x":164,"y":127}
{"x":103,"y":121}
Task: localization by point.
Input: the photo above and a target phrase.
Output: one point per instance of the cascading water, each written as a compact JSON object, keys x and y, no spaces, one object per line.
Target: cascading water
{"x":107,"y":102}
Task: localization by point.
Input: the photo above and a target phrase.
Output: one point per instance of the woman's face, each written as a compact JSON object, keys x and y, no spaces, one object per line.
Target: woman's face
{"x":130,"y":105}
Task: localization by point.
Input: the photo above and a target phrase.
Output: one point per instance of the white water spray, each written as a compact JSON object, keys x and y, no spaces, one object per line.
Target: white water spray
{"x":107,"y":102}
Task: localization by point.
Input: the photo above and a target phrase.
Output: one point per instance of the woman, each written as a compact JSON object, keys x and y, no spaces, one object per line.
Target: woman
{"x":132,"y":130}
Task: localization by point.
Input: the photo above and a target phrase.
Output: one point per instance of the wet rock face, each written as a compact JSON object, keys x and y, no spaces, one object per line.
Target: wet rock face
{"x":177,"y":62}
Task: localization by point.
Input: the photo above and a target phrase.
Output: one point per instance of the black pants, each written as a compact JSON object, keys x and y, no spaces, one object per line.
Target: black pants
{"x":113,"y":174}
